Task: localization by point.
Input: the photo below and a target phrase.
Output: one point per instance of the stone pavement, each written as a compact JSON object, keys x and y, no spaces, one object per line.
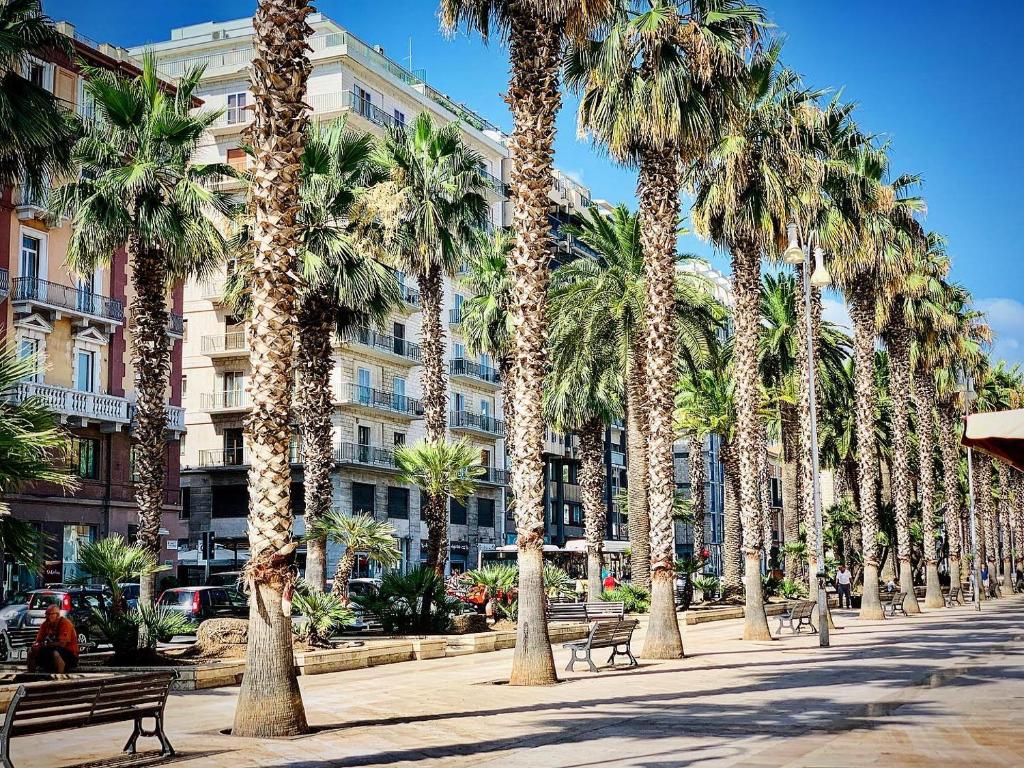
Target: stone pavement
{"x":945,"y":687}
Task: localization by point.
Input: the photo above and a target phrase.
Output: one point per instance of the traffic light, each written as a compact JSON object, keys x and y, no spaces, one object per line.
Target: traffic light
{"x":208,"y":544}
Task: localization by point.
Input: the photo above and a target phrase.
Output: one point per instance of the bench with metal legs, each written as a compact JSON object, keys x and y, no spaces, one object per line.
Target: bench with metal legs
{"x":604,"y":634}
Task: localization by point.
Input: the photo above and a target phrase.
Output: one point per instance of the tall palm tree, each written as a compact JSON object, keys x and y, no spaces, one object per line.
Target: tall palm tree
{"x":441,"y":470}
{"x":357,"y":534}
{"x":536,"y":31}
{"x":269,"y":702}
{"x":745,"y":192}
{"x":138,"y":187}
{"x":654,"y":93}
{"x":583,"y":395}
{"x":37,"y":131}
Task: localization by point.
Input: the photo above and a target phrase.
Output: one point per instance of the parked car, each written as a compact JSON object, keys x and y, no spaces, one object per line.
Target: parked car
{"x":360,"y":587}
{"x":131,"y":594}
{"x":224,"y":579}
{"x":201,"y":603}
{"x":76,"y":604}
{"x":13,"y":612}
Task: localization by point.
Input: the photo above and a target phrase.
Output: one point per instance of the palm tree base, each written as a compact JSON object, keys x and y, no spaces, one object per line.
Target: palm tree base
{"x":910,"y":605}
{"x":933,"y":590}
{"x":663,"y":639}
{"x":955,"y":577}
{"x":871,"y":602}
{"x":533,"y":662}
{"x":755,"y":623}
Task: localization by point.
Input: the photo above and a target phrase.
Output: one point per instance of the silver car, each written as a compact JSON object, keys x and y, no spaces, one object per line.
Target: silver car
{"x":13,"y":613}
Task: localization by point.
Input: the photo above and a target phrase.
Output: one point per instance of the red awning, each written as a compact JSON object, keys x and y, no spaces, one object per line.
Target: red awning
{"x":999,"y":434}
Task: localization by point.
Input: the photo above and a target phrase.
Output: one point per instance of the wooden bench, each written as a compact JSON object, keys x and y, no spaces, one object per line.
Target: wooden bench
{"x":17,"y":641}
{"x":602,"y":610}
{"x":82,"y":702}
{"x":895,"y":604}
{"x":574,"y":612}
{"x":797,"y":617}
{"x":604,"y":634}
{"x":955,"y":597}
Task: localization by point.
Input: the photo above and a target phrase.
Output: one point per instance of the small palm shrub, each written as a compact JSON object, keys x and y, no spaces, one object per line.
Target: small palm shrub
{"x":791,"y":589}
{"x":323,"y":613}
{"x":708,"y":585}
{"x":557,"y":582}
{"x":770,"y":585}
{"x":509,"y":611}
{"x":157,"y":624}
{"x":400,"y":604}
{"x":635,"y":599}
{"x":494,"y":582}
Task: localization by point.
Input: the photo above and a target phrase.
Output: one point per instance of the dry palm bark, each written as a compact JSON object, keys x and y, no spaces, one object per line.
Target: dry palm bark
{"x":639,"y":522}
{"x":899,"y":341}
{"x":949,"y":444}
{"x":924,"y":399}
{"x":764,"y":479}
{"x":1018,"y":518}
{"x":862,"y":315}
{"x":535,"y":53}
{"x":342,"y":572}
{"x":269,"y":701}
{"x":732,"y":566}
{"x":1003,"y":472}
{"x":983,"y":508}
{"x":698,"y":493}
{"x":151,"y":361}
{"x":790,"y":492}
{"x":591,"y":441}
{"x":805,"y":469}
{"x":746,"y":285}
{"x":657,"y":187}
{"x":314,"y":362}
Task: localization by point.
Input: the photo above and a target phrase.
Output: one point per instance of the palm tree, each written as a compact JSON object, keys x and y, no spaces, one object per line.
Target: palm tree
{"x":138,"y":187}
{"x":440,"y":470}
{"x":536,"y":31}
{"x":654,"y":93}
{"x":37,"y":132}
{"x":745,"y":192}
{"x":357,"y":534}
{"x":430,"y":206}
{"x":582,"y":396}
{"x":269,"y":702}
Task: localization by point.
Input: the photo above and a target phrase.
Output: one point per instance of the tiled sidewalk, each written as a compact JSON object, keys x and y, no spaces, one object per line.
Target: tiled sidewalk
{"x":941,"y":688}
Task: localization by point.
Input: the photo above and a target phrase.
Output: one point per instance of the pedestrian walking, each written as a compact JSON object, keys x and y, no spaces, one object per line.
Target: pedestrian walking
{"x":844,"y":586}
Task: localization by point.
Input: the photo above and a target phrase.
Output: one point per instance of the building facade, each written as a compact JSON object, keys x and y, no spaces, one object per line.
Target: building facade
{"x":75,"y":326}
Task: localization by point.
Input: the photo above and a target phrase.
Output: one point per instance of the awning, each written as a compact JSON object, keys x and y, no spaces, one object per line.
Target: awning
{"x":610,"y":546}
{"x":999,"y":434}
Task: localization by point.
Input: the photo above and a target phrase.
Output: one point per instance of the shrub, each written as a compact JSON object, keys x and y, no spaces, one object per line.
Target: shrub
{"x":413,"y":603}
{"x":557,"y":582}
{"x":121,"y":630}
{"x":708,"y":585}
{"x":323,"y":614}
{"x":509,"y":611}
{"x":635,"y":599}
{"x":770,"y":585}
{"x":791,"y":589}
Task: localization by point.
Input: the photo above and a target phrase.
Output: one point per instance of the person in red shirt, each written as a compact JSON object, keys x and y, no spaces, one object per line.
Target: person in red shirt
{"x":56,"y":645}
{"x":610,"y":582}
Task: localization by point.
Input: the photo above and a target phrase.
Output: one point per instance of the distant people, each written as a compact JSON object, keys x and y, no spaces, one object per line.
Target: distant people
{"x":610,"y":582}
{"x":56,"y":645}
{"x":844,"y":586}
{"x":984,"y":578}
{"x":890,"y":585}
{"x":581,"y":590}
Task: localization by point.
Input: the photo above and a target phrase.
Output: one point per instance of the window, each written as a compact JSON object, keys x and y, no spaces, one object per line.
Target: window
{"x":85,"y":376}
{"x":184,"y":386}
{"x":400,"y":117}
{"x":460,"y":351}
{"x":363,"y":499}
{"x":236,"y":108}
{"x":460,"y":402}
{"x":573,"y":514}
{"x":399,"y":402}
{"x":399,"y":438}
{"x":364,"y":435}
{"x":186,"y":504}
{"x":234,"y":385}
{"x":458,"y":512}
{"x":485,"y":407}
{"x":364,"y":101}
{"x":37,"y":75}
{"x":234,"y":450}
{"x":398,"y":503}
{"x":86,"y":453}
{"x":485,"y":457}
{"x":229,"y":501}
{"x":30,"y":253}
{"x":237,"y":159}
{"x":31,"y":347}
{"x":365,"y":392}
{"x":485,"y":513}
{"x":133,"y":467}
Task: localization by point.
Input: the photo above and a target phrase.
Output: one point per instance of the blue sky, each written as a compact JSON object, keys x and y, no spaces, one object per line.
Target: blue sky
{"x":935,"y":76}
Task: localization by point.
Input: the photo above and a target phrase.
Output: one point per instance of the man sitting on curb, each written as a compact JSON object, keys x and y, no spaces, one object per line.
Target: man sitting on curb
{"x":56,"y":645}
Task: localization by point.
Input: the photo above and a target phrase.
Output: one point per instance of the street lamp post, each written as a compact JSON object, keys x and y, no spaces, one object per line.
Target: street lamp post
{"x":795,"y":254}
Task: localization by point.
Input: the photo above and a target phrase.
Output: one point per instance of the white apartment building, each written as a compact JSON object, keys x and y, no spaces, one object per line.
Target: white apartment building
{"x":376,"y":378}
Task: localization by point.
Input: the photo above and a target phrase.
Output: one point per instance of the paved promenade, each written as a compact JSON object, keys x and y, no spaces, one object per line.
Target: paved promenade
{"x":942,"y":688}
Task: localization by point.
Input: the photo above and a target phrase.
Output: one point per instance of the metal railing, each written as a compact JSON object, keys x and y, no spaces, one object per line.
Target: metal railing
{"x":238,"y":456}
{"x":455,"y":316}
{"x":373,"y":113}
{"x":382,"y":341}
{"x":410,"y":295}
{"x":231,"y":399}
{"x":61,"y":296}
{"x":5,"y":282}
{"x":236,"y":341}
{"x":175,"y":324}
{"x":366,"y":455}
{"x":460,"y":366}
{"x":493,"y":181}
{"x":477,"y":421}
{"x":494,"y":476}
{"x":71,"y":402}
{"x":358,"y":394}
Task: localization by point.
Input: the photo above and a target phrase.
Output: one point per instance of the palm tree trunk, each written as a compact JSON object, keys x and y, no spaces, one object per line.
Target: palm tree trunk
{"x":269,"y":702}
{"x":805,"y":470}
{"x":746,"y":286}
{"x":343,"y":572}
{"x":698,"y":493}
{"x":592,"y":475}
{"x":1018,"y":520}
{"x":983,"y":505}
{"x":898,"y":342}
{"x":764,"y":483}
{"x":313,"y":400}
{"x":658,"y":191}
{"x":435,"y":389}
{"x":732,"y":562}
{"x":949,"y":444}
{"x":1004,"y":521}
{"x":924,"y":399}
{"x":789,"y":420}
{"x":150,"y":353}
{"x":639,"y":522}
{"x":534,"y":97}
{"x":508,"y":409}
{"x":862,"y":315}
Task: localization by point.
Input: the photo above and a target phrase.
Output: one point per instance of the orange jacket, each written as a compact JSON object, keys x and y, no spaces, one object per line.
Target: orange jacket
{"x":63,"y":635}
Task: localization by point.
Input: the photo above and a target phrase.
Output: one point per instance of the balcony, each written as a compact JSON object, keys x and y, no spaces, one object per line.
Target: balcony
{"x":29,"y":292}
{"x":365,"y":456}
{"x":70,"y":403}
{"x":175,"y":325}
{"x":30,"y":205}
{"x":375,"y":401}
{"x":224,"y":345}
{"x":411,"y":298}
{"x":493,"y":476}
{"x":352,"y":102}
{"x":229,"y":401}
{"x":477,"y":423}
{"x":390,"y":348}
{"x":498,"y":186}
{"x":213,"y":289}
{"x":455,"y":317}
{"x":475,"y":373}
{"x":238,"y":456}
{"x":5,"y":284}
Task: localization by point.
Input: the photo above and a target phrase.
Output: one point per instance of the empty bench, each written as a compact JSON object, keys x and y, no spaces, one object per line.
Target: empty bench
{"x":895,"y":604}
{"x":83,"y":702}
{"x":797,"y":617}
{"x":604,"y":634}
{"x":583,"y":613}
{"x":955,"y":597}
